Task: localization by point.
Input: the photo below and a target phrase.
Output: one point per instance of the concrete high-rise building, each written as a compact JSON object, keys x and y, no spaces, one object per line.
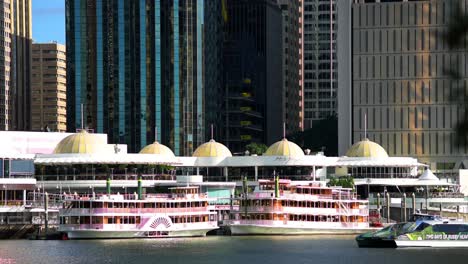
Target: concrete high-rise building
{"x":137,"y":65}
{"x":49,"y":87}
{"x":15,"y":64}
{"x":253,"y":60}
{"x":292,"y":84}
{"x":319,"y":63}
{"x":398,"y":80}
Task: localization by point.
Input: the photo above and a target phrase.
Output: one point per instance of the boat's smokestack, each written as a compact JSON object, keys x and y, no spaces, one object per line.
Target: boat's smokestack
{"x":277,"y":187}
{"x":244,"y":185}
{"x":140,"y":189}
{"x":108,"y":186}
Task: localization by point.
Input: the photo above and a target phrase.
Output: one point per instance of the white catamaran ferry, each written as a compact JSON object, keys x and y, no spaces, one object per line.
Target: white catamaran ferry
{"x":283,"y":207}
{"x":435,"y":233}
{"x":182,"y":213}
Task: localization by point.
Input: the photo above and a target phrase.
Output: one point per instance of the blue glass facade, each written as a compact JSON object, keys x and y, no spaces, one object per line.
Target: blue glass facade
{"x":99,"y":69}
{"x":157,"y":67}
{"x":121,"y":71}
{"x":176,"y":107}
{"x":143,"y":77}
{"x":200,"y":90}
{"x":141,"y":64}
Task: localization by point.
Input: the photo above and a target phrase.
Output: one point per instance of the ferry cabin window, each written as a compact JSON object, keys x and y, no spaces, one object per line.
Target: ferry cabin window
{"x":450,"y":228}
{"x":74,"y":220}
{"x":97,"y":219}
{"x":124,"y":220}
{"x":149,"y":205}
{"x":421,"y":226}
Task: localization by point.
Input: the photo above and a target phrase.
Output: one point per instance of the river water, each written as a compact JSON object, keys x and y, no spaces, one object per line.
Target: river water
{"x":219,"y":249}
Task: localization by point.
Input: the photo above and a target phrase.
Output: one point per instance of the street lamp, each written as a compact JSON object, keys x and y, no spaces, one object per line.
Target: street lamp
{"x":5,"y":192}
{"x":368,"y":181}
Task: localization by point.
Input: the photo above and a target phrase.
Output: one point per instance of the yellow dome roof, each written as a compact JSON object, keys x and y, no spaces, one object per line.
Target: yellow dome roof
{"x":158,"y":149}
{"x":212,"y":149}
{"x":284,"y":148}
{"x":80,"y":143}
{"x":368,"y":149}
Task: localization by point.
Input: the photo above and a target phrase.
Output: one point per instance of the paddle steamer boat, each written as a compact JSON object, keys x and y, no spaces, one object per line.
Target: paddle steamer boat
{"x":184,"y":212}
{"x":284,"y":207}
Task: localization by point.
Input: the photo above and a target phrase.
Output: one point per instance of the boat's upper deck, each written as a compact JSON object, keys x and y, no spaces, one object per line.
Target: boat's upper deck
{"x":314,"y":190}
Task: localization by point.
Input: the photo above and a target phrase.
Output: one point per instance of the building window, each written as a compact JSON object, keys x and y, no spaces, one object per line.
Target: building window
{"x":408,"y":37}
{"x":415,"y":117}
{"x":409,"y":143}
{"x":422,"y":39}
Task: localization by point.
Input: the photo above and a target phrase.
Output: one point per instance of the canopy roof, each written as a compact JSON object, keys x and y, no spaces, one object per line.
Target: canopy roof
{"x":379,"y":162}
{"x":236,"y":161}
{"x":81,"y":142}
{"x":428,"y":176}
{"x":367,"y":148}
{"x":284,"y":148}
{"x":157,"y":149}
{"x":212,"y":149}
{"x":70,"y":159}
{"x":403,"y":182}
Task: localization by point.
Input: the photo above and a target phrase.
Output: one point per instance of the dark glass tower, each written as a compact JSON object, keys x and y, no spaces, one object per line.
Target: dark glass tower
{"x":137,"y":65}
{"x":253,"y":59}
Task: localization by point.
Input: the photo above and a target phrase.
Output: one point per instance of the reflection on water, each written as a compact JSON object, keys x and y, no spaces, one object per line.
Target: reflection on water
{"x":239,"y":250}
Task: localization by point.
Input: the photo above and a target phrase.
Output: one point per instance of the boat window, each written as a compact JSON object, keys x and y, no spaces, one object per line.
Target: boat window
{"x":450,"y":228}
{"x":421,"y":226}
{"x":384,"y":231}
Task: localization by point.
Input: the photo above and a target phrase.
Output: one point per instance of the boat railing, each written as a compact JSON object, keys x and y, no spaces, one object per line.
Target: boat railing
{"x":304,"y":210}
{"x":129,"y":196}
{"x":300,"y":196}
{"x":104,"y":176}
{"x":12,"y":203}
{"x":430,"y":195}
{"x":87,"y":211}
{"x":295,"y":223}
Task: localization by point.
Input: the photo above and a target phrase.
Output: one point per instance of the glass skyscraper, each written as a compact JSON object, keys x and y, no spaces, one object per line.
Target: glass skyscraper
{"x":320,"y":79}
{"x":140,"y":64}
{"x":253,"y":73}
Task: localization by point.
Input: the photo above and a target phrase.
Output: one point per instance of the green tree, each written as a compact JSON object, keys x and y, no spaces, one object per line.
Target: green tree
{"x":256,"y":148}
{"x":345,"y":182}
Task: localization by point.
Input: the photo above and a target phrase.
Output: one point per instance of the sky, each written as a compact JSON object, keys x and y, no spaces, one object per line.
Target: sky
{"x":48,"y":20}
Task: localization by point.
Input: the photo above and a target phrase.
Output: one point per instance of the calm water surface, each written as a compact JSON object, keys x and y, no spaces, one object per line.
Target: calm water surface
{"x":216,"y":249}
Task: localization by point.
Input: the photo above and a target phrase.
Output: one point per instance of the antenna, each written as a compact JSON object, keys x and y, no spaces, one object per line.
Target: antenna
{"x":365,"y":125}
{"x":211,"y":131}
{"x":156,"y":134}
{"x":82,"y":117}
{"x":284,"y":130}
